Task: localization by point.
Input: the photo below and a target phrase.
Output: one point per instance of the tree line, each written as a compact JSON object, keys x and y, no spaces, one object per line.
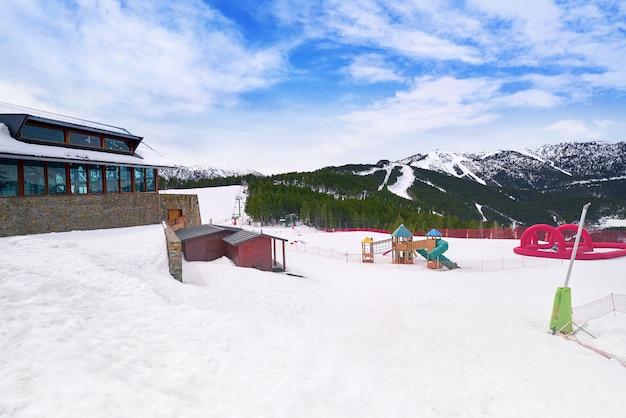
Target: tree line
{"x":338,"y":197}
{"x":269,"y":201}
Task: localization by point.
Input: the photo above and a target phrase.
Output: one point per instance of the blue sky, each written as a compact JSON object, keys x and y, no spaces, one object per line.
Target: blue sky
{"x":288,"y":85}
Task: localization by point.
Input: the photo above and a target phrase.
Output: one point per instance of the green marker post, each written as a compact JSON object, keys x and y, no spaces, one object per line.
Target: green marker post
{"x":561,"y":319}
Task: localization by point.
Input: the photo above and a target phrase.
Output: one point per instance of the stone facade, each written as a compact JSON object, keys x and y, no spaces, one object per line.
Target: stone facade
{"x":174,"y":253}
{"x":187,"y":203}
{"x":42,"y":214}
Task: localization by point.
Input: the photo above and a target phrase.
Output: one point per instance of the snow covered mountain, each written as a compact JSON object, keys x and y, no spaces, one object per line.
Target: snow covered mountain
{"x":520,"y":186}
{"x":525,"y":185}
{"x":198,"y":172}
{"x":586,"y":168}
{"x":546,"y":168}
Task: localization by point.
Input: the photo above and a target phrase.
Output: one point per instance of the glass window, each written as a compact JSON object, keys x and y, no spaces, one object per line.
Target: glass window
{"x":140,"y":179}
{"x":85,"y":140}
{"x":78,"y":178}
{"x":57,"y":178}
{"x":8,"y":177}
{"x":126,"y":179}
{"x":34,"y":178}
{"x":95,"y":179}
{"x":113,"y":179}
{"x":41,"y":133}
{"x":116,"y":144}
{"x":150,"y":180}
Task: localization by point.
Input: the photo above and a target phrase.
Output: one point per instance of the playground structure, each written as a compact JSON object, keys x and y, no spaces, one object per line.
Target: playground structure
{"x":558,"y":243}
{"x":403,"y":248}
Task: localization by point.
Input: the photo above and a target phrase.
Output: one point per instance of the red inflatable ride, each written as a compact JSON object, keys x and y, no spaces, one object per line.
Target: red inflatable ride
{"x":559,"y":242}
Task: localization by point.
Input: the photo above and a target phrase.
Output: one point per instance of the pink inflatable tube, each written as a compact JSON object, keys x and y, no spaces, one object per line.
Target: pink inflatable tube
{"x":555,"y":245}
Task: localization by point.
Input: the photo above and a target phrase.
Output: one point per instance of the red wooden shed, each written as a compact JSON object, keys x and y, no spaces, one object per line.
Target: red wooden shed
{"x":204,"y":242}
{"x":244,"y":248}
{"x":249,"y":249}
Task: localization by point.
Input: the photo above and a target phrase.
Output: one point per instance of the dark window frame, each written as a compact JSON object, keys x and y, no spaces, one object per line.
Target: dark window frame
{"x":96,"y":168}
{"x":67,"y":133}
{"x":81,"y":145}
{"x":43,"y":126}
{"x":125,"y":141}
{"x":103,"y":169}
{"x":140,"y":182}
{"x":66,"y":174}
{"x":131,"y":176}
{"x":17,"y":180}
{"x":44,"y":175}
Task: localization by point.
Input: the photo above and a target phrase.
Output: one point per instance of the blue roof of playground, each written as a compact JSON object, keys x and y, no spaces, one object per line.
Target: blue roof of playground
{"x":433,"y":233}
{"x":402,"y":232}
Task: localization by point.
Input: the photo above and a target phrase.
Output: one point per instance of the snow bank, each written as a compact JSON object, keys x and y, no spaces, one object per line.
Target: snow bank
{"x":93,"y":325}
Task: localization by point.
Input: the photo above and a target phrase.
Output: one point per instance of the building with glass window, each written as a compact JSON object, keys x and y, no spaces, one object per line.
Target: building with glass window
{"x":60,"y":174}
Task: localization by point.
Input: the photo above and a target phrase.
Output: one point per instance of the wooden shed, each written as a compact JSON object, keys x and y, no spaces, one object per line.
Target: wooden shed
{"x":204,"y":242}
{"x":244,"y":248}
{"x":249,"y":249}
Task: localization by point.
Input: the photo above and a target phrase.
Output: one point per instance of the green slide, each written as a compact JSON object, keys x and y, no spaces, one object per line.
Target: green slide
{"x":437,"y":254}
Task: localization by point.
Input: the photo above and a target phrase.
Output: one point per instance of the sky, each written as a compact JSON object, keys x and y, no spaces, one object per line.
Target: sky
{"x":285,"y":85}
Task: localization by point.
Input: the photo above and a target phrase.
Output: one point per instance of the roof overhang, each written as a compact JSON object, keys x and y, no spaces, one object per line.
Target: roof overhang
{"x":15,"y":122}
{"x":144,"y":156}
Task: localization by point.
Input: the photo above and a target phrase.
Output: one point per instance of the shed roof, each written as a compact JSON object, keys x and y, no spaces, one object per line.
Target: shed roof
{"x":402,"y":232}
{"x":198,"y":231}
{"x":236,"y":235}
{"x":243,"y":236}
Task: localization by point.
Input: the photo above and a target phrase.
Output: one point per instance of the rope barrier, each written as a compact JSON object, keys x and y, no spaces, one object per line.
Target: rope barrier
{"x":594,"y":310}
{"x":604,"y":306}
{"x":465,"y":266}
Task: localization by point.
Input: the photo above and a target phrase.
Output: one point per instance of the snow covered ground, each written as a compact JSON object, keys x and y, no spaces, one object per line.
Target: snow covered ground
{"x":92,"y":325}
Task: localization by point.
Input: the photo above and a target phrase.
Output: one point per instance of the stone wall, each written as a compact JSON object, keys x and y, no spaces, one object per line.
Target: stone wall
{"x":42,"y":214}
{"x":174,"y":252}
{"x":188,"y":203}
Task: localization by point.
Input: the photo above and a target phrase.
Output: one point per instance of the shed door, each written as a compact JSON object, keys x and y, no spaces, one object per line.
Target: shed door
{"x":213,"y":250}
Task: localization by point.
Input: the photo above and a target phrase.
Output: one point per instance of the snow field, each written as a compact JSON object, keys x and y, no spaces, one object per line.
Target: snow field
{"x":92,"y":324}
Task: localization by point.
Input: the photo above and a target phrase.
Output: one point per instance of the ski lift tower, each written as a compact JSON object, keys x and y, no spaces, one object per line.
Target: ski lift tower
{"x":238,"y":199}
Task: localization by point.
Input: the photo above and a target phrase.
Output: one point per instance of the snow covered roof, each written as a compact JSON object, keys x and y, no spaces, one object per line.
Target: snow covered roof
{"x":15,"y":121}
{"x":10,"y":147}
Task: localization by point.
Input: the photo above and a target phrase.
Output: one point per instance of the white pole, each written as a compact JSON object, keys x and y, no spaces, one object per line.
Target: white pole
{"x":576,"y":242}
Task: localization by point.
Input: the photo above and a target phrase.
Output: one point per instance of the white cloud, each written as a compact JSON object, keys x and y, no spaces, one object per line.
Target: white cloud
{"x":531,"y":98}
{"x":429,"y":105}
{"x":571,"y":130}
{"x":372,"y":68}
{"x":367,"y":22}
{"x":155,"y":56}
{"x":604,"y":123}
{"x":535,"y":20}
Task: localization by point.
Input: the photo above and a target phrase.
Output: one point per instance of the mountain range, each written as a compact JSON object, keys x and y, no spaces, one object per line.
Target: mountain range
{"x":198,"y":172}
{"x":545,"y":184}
{"x":589,"y":168}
